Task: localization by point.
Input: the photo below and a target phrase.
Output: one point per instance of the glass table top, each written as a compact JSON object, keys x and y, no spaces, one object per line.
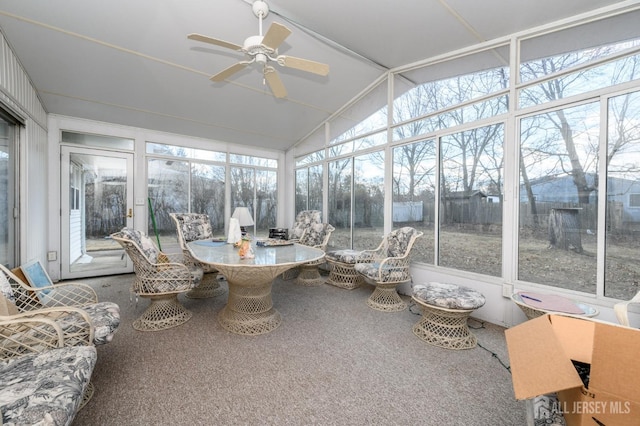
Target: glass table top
{"x":222,"y":253}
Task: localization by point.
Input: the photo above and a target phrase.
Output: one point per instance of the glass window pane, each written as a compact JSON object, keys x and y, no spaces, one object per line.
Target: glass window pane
{"x":309,"y":188}
{"x":168,"y":189}
{"x":622,"y":273}
{"x":207,"y":193}
{"x":83,"y":139}
{"x":266,"y":201}
{"x":364,"y":116}
{"x":422,"y":92}
{"x":558,"y":197}
{"x":242,"y":190}
{"x":467,"y":114}
{"x":577,"y":45}
{"x":310,"y":158}
{"x":368,"y":200}
{"x":8,"y":177}
{"x":597,"y":77}
{"x":470,"y":193}
{"x":302,"y":189}
{"x":185,"y":152}
{"x":253,"y":161}
{"x":414,"y":186}
{"x":316,"y":180}
{"x":340,"y":176}
{"x":338,"y":150}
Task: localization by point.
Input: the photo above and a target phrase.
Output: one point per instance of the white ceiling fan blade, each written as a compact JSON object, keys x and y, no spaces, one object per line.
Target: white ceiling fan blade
{"x":217,"y":42}
{"x":274,"y":82}
{"x":303,"y":64}
{"x":275,"y":35}
{"x":228,"y":72}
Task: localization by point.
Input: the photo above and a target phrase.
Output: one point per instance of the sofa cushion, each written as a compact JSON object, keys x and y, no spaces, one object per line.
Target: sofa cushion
{"x":45,"y":388}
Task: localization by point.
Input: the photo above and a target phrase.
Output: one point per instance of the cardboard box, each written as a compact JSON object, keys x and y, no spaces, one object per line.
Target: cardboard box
{"x":541,"y":351}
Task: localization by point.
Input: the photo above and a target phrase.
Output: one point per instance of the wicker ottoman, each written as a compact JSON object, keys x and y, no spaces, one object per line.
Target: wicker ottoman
{"x":341,"y":271}
{"x":445,"y":309}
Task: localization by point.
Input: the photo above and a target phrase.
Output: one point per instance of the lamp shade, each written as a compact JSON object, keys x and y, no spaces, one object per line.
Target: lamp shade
{"x":243,"y":216}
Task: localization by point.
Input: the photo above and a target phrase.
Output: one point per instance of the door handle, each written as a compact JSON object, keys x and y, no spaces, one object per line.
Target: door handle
{"x":130,"y":214}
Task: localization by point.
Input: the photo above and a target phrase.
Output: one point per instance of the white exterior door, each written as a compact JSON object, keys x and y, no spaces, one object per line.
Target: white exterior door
{"x":97,"y":200}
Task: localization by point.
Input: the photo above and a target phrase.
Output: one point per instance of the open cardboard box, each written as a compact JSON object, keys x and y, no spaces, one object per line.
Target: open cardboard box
{"x":541,"y":351}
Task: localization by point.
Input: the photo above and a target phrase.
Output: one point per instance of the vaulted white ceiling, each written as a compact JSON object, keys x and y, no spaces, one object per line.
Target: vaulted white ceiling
{"x":130,"y":62}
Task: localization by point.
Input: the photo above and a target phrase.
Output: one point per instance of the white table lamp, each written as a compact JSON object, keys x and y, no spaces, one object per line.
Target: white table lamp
{"x":244,"y":218}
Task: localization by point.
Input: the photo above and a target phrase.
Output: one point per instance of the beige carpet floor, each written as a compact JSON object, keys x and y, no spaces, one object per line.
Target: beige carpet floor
{"x":332,"y":361}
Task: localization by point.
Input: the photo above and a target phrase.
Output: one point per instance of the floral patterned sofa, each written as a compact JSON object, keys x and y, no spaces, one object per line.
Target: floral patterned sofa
{"x":45,"y":388}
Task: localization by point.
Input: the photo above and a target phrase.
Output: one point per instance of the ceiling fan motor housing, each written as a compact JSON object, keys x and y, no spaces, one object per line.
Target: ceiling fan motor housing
{"x":260,"y":9}
{"x":253,"y":46}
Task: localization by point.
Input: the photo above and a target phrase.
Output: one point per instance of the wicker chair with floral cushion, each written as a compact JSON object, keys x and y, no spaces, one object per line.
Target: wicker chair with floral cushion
{"x":160,"y":277}
{"x":194,"y":227}
{"x":341,"y":268}
{"x":304,"y":219}
{"x":64,"y":302}
{"x":44,"y":381}
{"x":317,"y":235}
{"x":621,"y":309}
{"x":40,"y":318}
{"x":386,"y":267}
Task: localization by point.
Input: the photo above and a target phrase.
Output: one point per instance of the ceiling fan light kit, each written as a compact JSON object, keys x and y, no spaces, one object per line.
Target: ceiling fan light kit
{"x":263,"y":50}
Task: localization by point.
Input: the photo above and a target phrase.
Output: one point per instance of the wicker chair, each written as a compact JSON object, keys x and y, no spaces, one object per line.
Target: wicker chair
{"x":621,"y":309}
{"x":160,"y":277}
{"x":317,"y":235}
{"x":63,"y":314}
{"x":45,"y":381}
{"x":304,"y":219}
{"x":386,"y":267}
{"x":192,"y":227}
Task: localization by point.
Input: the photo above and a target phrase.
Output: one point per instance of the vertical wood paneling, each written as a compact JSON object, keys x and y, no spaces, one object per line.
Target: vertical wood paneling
{"x":18,"y":94}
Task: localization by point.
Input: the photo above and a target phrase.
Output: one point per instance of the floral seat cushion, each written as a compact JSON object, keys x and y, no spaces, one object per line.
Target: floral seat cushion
{"x":45,"y":388}
{"x":344,"y":256}
{"x":303,"y":220}
{"x":387,"y":273}
{"x":105,"y":317}
{"x":448,"y":296}
{"x":398,"y":241}
{"x":194,"y":226}
{"x":315,"y":234}
{"x":143,"y":241}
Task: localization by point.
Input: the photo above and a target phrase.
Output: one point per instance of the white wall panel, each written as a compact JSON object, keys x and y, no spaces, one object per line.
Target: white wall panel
{"x":19,"y":97}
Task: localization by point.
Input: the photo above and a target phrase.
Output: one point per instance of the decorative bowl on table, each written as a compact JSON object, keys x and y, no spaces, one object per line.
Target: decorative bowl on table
{"x":273,"y":242}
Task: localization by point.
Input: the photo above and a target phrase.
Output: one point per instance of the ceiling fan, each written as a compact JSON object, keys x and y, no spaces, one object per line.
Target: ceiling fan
{"x":264,"y":50}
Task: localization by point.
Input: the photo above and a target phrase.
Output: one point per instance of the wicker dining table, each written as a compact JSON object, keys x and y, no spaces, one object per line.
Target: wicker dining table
{"x":249,"y":308}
